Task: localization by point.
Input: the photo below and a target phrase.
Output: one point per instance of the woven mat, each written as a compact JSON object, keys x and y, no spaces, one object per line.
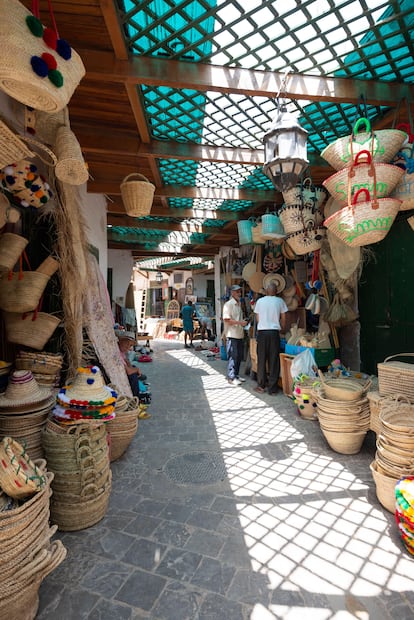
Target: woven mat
{"x":99,"y":324}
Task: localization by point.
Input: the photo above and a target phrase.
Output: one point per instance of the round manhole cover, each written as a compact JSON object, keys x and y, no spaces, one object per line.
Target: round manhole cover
{"x":196,"y":468}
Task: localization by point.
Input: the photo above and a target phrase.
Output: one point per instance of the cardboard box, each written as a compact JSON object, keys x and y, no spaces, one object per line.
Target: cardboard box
{"x":323,"y":357}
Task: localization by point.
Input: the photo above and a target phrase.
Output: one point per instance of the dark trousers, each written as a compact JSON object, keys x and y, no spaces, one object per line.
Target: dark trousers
{"x":134,"y":383}
{"x":268,"y":362}
{"x":234,"y":348}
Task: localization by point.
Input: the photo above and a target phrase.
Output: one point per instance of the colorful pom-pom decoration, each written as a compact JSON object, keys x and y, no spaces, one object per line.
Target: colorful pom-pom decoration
{"x":90,"y":381}
{"x":50,"y":38}
{"x":56,"y":78}
{"x":64,"y":49}
{"x":49,"y":60}
{"x":39,"y":66}
{"x":35,"y":25}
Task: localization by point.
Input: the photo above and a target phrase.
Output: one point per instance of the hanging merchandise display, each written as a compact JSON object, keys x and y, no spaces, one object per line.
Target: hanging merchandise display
{"x":347,"y":259}
{"x":272,"y":227}
{"x":383,"y":144}
{"x":137,"y":194}
{"x":405,"y":160}
{"x":38,"y":68}
{"x":244,"y":228}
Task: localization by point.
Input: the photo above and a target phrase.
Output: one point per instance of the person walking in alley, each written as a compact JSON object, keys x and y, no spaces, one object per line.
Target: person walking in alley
{"x":269,"y":311}
{"x":187,"y":314}
{"x":234,"y":332}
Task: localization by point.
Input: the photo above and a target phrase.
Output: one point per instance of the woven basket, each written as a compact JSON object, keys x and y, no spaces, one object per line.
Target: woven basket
{"x":12,"y":148}
{"x":48,"y":267}
{"x":396,"y":377}
{"x":383,"y":144}
{"x":119,"y":442}
{"x":19,"y":475}
{"x":244,"y":229}
{"x":272,"y":227}
{"x":363,"y":175}
{"x":296,"y":217}
{"x":17,"y":78}
{"x":71,"y":167}
{"x":397,"y":418}
{"x":257,"y":236}
{"x":21,"y":291}
{"x":343,"y":389}
{"x":31,"y":330}
{"x":43,"y":362}
{"x":363,"y":223}
{"x":137,"y":194}
{"x":306,"y":241}
{"x":374,"y":399}
{"x":385,"y":487}
{"x":11,"y":247}
{"x":71,"y":517}
{"x":345,"y":442}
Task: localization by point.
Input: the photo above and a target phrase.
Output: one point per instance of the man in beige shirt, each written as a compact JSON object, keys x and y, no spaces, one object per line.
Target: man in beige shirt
{"x":233,"y":329}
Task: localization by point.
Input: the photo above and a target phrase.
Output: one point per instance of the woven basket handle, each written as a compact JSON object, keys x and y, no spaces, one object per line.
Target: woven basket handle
{"x":321,"y":375}
{"x":361,"y":121}
{"x":42,"y":147}
{"x":136,"y":174}
{"x":36,"y":13}
{"x":398,"y":355}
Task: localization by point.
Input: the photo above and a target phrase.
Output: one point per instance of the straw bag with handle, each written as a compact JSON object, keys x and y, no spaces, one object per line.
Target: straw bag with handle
{"x":26,"y":74}
{"x":21,"y":291}
{"x":137,"y":194}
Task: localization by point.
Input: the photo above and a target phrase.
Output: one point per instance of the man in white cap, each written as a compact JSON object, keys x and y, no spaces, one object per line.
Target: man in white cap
{"x":269,"y":311}
{"x":233,"y":329}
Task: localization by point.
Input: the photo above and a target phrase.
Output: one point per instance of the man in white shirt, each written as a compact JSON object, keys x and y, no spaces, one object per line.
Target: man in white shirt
{"x":233,"y":329}
{"x":269,"y":311}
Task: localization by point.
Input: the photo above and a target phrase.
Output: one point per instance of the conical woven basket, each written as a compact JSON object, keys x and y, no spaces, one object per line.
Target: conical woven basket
{"x":11,"y":247}
{"x":71,"y":167}
{"x":137,"y":194}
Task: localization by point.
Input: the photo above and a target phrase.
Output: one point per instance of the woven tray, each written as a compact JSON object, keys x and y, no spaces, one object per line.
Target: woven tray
{"x":395,"y":377}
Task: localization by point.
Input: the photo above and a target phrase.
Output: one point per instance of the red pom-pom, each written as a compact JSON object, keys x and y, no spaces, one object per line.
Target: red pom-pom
{"x":49,"y":60}
{"x":50,"y":38}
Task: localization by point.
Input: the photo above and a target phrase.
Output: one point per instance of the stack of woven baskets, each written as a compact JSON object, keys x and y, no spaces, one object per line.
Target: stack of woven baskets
{"x":302,"y":218}
{"x":394,"y":457}
{"x":343,"y":413}
{"x":361,"y":161}
{"x":123,"y":428}
{"x":78,"y":456}
{"x":404,"y":511}
{"x":24,"y":409}
{"x":45,"y":367}
{"x":27,"y":554}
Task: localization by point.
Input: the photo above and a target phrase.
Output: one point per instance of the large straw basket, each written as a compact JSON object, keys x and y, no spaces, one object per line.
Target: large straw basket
{"x":21,"y":292}
{"x":374,"y":399}
{"x":383,"y":144}
{"x":345,"y":442}
{"x":385,"y":487}
{"x":19,"y":475}
{"x":31,"y":330}
{"x":363,"y":223}
{"x":257,"y":236}
{"x":71,"y":517}
{"x":137,"y":194}
{"x":363,"y":174}
{"x":71,"y":167}
{"x":342,"y":388}
{"x":395,"y":377}
{"x":272,"y":227}
{"x":306,"y":241}
{"x":17,"y":77}
{"x":43,"y":362}
{"x":11,"y":247}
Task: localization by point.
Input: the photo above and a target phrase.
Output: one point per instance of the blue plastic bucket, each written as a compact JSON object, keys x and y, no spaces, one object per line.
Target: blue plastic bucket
{"x":244,"y":228}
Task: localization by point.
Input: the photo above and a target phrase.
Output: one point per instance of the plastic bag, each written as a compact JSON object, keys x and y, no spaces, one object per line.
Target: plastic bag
{"x":303,"y":364}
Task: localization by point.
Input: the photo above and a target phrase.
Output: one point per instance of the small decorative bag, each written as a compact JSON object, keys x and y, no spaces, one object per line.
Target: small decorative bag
{"x":38,"y":68}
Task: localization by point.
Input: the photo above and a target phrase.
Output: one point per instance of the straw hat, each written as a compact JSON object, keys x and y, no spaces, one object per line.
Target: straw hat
{"x":277,"y":279}
{"x":23,"y":391}
{"x":87,"y":390}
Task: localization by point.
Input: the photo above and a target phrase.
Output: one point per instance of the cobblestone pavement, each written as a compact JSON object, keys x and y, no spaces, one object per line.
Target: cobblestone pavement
{"x":229,"y":506}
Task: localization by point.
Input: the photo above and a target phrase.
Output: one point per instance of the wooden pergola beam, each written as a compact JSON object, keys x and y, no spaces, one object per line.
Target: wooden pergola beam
{"x":133,"y":222}
{"x":159,"y":211}
{"x":136,"y":251}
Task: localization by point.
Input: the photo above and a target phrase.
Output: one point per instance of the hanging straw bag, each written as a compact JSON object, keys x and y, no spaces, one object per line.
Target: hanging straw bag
{"x":272,"y":227}
{"x":296,"y":217}
{"x":361,"y":175}
{"x":71,"y":167}
{"x":12,"y":148}
{"x":383,"y":145}
{"x":20,"y":291}
{"x":244,"y":228}
{"x":11,"y":248}
{"x":305,"y":241}
{"x":137,"y":194}
{"x":32,"y":329}
{"x":44,"y":83}
{"x":363,"y":223}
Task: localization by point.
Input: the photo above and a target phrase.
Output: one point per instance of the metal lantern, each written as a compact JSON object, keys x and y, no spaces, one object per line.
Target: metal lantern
{"x":285,"y":150}
{"x":159,"y":277}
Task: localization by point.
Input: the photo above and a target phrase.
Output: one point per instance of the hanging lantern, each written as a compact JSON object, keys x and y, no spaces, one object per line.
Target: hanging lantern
{"x":159,"y":277}
{"x":285,"y":150}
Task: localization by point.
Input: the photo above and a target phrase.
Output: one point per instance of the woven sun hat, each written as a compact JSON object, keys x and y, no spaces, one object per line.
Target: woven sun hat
{"x":88,"y":389}
{"x":23,"y":391}
{"x":275,"y":278}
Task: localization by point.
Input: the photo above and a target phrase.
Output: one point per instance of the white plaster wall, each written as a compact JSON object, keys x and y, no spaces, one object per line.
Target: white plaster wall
{"x":94,"y":211}
{"x":122,"y":264}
